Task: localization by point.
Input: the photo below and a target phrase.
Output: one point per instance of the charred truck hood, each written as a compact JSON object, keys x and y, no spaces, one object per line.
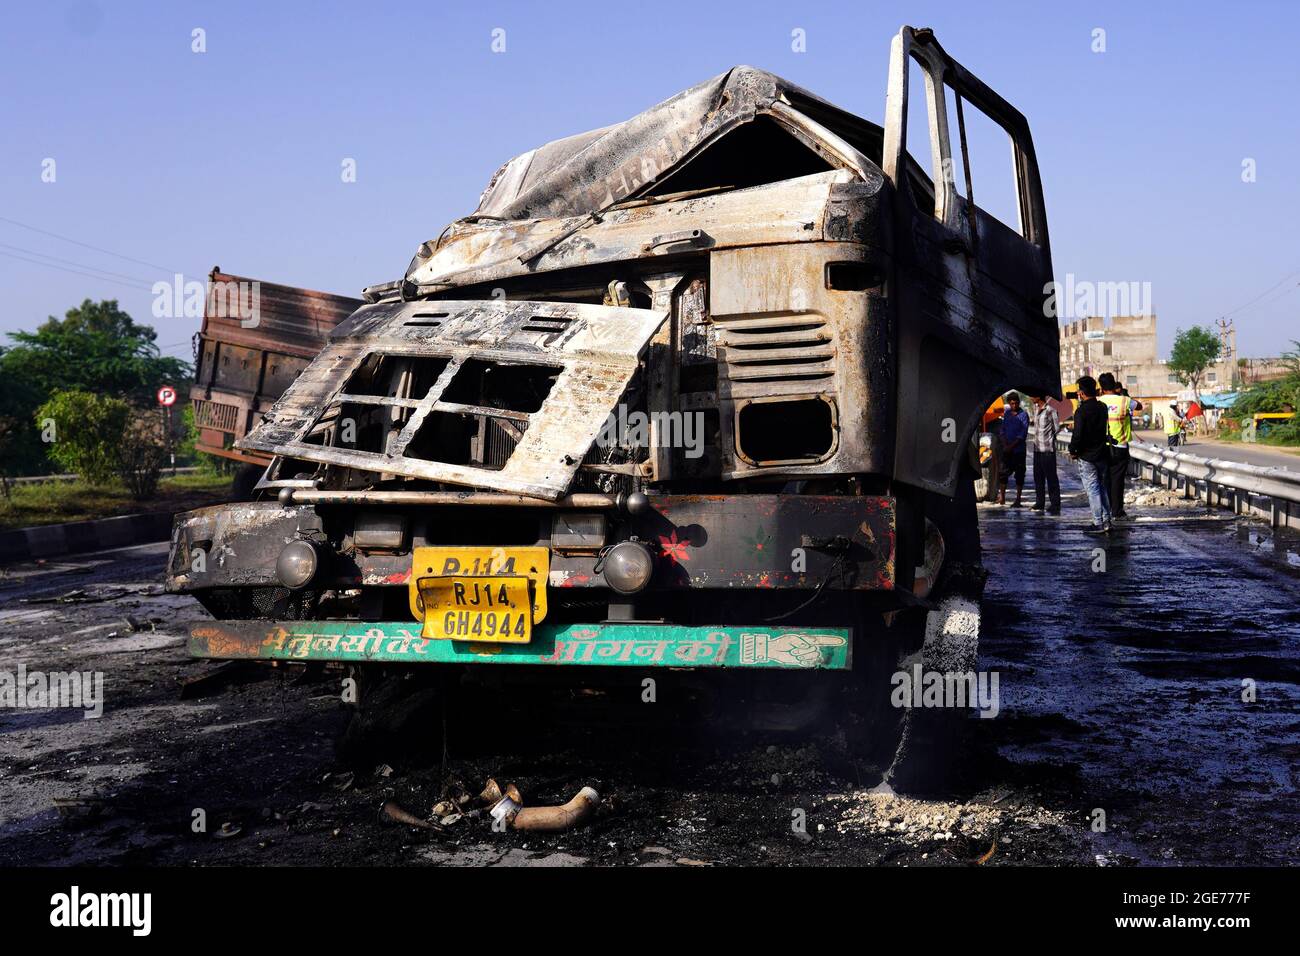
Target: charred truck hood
{"x":639,"y":202}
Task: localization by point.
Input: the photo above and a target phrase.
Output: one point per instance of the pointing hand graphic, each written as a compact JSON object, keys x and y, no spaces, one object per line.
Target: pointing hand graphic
{"x":797,"y":650}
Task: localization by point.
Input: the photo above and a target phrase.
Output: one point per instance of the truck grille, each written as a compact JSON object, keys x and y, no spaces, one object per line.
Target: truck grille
{"x":758,"y":356}
{"x":216,"y":415}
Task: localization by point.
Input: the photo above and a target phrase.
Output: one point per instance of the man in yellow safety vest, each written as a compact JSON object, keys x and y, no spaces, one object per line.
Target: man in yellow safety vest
{"x":1173,"y":426}
{"x":1119,"y":423}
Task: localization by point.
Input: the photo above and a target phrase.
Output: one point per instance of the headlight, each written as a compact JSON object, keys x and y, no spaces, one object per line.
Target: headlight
{"x":628,"y":566}
{"x":297,"y":563}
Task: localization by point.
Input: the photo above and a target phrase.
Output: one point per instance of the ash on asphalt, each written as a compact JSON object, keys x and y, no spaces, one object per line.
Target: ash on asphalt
{"x":1158,"y":668}
{"x":1120,"y":691}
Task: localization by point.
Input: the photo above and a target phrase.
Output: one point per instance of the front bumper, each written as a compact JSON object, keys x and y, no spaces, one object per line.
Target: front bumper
{"x":717,"y":559}
{"x":701,"y":542}
{"x":609,"y":645}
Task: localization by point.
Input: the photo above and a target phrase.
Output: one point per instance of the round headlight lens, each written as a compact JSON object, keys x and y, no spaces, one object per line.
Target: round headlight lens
{"x":628,"y":567}
{"x":297,"y":563}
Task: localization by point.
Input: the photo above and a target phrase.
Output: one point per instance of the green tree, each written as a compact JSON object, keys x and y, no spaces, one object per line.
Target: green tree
{"x":20,"y":447}
{"x":95,"y":347}
{"x":84,"y":432}
{"x":1278,"y":395}
{"x":141,"y":453}
{"x":1195,"y":350}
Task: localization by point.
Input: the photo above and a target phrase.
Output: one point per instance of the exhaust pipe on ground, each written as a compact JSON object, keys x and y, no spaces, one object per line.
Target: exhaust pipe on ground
{"x":546,"y":819}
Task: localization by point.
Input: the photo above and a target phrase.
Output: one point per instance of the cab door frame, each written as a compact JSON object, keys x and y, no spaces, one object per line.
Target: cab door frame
{"x":971,"y":294}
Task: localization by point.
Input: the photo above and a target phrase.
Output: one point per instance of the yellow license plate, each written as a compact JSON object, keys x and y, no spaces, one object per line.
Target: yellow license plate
{"x":493,"y":595}
{"x":494,"y":610}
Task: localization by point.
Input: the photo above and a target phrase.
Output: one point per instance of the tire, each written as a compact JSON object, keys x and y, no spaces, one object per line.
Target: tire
{"x":986,"y":481}
{"x":397,"y":716}
{"x":922,"y":749}
{"x":931,"y":742}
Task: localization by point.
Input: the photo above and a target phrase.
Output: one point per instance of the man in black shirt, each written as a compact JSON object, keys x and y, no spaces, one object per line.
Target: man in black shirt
{"x":1090,"y":449}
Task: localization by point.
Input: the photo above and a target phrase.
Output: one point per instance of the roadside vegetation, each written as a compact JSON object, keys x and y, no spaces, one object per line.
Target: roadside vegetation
{"x":95,"y":348}
{"x":1194,"y":351}
{"x":53,"y":502}
{"x":77,"y":396}
{"x":1279,"y":395}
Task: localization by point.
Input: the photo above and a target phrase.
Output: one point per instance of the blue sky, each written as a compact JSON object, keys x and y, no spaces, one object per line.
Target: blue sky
{"x":232,"y":157}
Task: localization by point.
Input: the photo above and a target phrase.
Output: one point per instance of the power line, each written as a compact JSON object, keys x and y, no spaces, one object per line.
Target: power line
{"x":79,"y":265}
{"x":1264,"y":293}
{"x":1282,"y":294}
{"x":86,"y":245}
{"x":89,"y":275}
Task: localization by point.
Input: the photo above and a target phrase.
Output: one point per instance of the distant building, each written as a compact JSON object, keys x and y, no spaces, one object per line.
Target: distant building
{"x":1252,"y":371}
{"x":1125,"y":346}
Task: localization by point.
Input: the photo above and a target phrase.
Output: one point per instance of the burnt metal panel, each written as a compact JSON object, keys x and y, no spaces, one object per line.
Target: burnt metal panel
{"x":475,"y":251}
{"x":594,"y":349}
{"x":770,"y":541}
{"x":592,"y":171}
{"x":971,"y":293}
{"x":699,"y":542}
{"x":783,"y":335}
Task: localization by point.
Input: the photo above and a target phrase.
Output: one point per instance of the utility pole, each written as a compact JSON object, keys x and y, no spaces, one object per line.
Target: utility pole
{"x":1228,"y":347}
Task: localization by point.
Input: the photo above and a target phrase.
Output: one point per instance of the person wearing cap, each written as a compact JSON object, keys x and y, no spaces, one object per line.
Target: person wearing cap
{"x":1119,"y":424}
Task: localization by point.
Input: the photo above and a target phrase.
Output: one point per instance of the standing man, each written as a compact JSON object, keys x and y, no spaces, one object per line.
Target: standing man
{"x":1014,"y":431}
{"x":1090,"y":449}
{"x":1119,"y":423}
{"x":1046,"y":425}
{"x":1173,"y":425}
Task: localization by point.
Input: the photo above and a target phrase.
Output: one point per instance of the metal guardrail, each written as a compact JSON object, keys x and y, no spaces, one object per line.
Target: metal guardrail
{"x":1272,"y":493}
{"x":45,"y":479}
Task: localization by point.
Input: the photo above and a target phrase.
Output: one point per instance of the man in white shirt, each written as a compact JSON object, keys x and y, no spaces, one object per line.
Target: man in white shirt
{"x":1046,"y":425}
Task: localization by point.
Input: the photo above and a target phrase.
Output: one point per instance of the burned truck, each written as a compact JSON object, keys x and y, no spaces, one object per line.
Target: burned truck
{"x":695,"y":391}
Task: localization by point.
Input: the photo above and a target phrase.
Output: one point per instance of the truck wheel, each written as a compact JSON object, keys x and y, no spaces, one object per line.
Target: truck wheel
{"x":397,"y":715}
{"x":930,"y":743}
{"x":986,"y":481}
{"x":921,"y":747}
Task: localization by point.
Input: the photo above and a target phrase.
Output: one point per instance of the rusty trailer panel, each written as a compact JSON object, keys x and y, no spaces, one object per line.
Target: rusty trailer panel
{"x":256,"y":338}
{"x":287,"y":319}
